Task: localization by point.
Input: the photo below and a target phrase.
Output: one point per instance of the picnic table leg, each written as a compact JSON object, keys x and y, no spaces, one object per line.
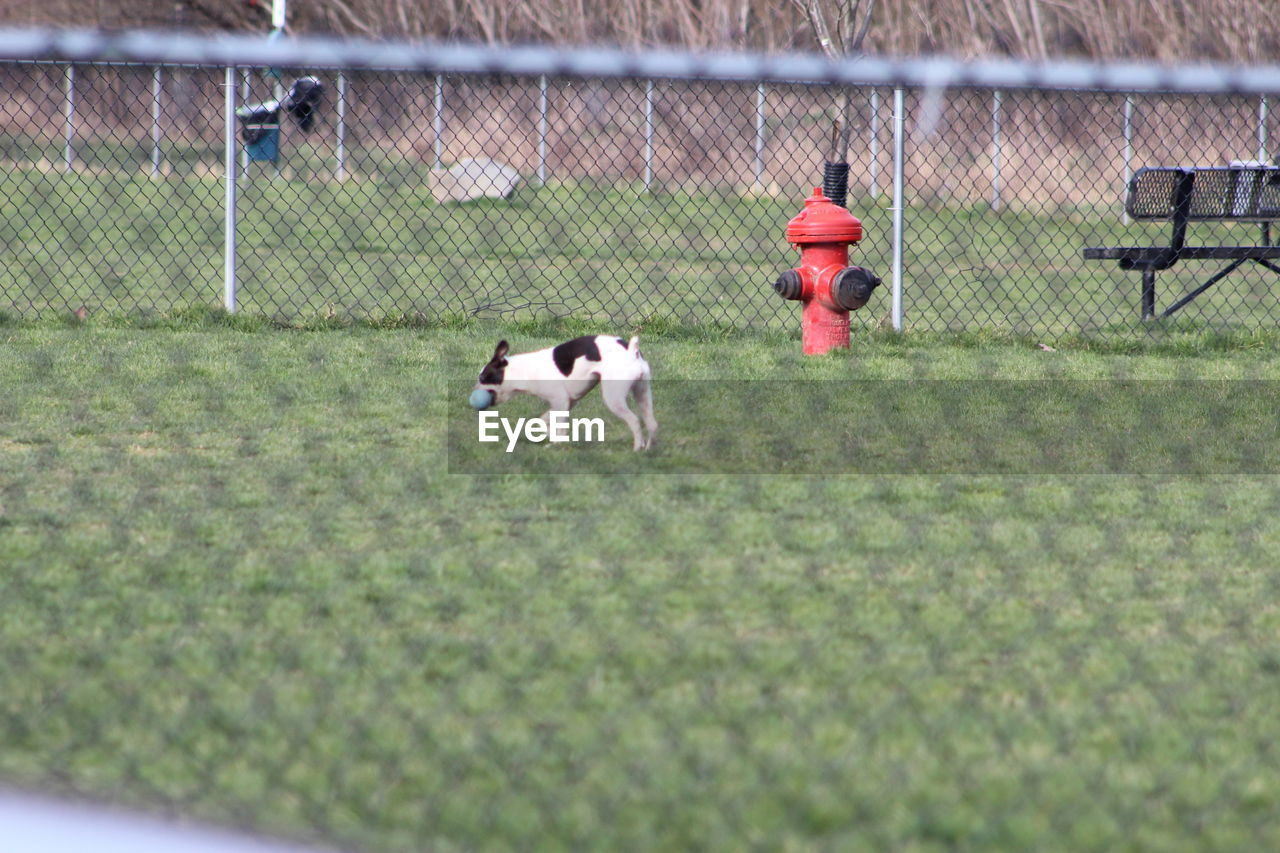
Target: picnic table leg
{"x":1217,"y":277}
{"x":1148,"y":294}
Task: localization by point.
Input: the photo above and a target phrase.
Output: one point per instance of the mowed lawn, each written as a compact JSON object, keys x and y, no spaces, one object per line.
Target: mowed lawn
{"x":240,"y":584}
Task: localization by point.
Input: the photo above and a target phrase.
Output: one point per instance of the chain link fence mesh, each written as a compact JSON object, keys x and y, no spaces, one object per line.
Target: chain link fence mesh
{"x":635,"y":198}
{"x":241,"y":585}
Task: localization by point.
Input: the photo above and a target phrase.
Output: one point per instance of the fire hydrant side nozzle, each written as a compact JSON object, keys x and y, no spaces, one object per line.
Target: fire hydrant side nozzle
{"x":789,"y":285}
{"x":852,"y":286}
{"x":824,"y":282}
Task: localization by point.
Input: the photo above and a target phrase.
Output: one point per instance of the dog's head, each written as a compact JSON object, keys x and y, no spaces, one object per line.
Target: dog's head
{"x":491,"y":377}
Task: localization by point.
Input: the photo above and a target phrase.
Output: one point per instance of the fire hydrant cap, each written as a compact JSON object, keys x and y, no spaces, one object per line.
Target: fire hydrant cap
{"x":821,"y":221}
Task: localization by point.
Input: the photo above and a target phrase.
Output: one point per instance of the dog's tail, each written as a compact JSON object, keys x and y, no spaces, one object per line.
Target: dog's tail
{"x":633,"y":345}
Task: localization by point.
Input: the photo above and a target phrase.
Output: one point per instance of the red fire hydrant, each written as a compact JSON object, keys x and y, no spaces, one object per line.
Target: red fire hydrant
{"x":824,"y":281}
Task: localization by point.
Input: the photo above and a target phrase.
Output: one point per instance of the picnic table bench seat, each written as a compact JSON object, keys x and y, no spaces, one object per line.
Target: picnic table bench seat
{"x":1182,"y":195}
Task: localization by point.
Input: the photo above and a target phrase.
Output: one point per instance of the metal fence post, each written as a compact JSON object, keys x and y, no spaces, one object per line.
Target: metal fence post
{"x":229,"y":225}
{"x":542,"y":130}
{"x":340,"y":172}
{"x":760,"y":128}
{"x":995,"y":150}
{"x":1262,"y":128}
{"x":899,"y":146}
{"x":69,"y":154}
{"x":648,"y":134}
{"x":875,"y":143}
{"x":157,"y":90}
{"x":1128,"y":146}
{"x":245,"y":84}
{"x":437,"y":123}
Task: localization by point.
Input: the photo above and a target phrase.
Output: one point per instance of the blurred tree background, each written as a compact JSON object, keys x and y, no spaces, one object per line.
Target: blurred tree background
{"x":1169,"y":30}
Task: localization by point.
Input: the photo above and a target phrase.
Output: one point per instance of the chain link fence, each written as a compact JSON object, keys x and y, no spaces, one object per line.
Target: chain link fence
{"x":258,"y":580}
{"x":633,"y":198}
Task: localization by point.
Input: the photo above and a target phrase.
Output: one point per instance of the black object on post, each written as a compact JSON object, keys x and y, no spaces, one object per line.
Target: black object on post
{"x":303,"y":101}
{"x":835,"y":182}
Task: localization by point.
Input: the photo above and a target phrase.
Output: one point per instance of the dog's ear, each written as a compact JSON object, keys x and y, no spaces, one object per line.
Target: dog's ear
{"x":500,"y":351}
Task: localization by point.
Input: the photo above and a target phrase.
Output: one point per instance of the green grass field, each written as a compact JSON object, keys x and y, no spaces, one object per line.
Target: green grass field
{"x":241,"y":584}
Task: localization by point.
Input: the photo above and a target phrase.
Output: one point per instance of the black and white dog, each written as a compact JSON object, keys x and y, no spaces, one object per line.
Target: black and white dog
{"x":562,"y":375}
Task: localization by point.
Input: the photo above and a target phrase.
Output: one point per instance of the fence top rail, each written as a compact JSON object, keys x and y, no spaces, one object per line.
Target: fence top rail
{"x":176,"y":48}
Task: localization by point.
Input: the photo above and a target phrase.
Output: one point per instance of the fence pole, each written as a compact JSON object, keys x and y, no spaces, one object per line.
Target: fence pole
{"x":341,"y":171}
{"x":648,"y":133}
{"x":229,"y":228}
{"x":1262,"y":129}
{"x":69,"y":154}
{"x":995,"y":150}
{"x":542,"y":131}
{"x":157,"y":90}
{"x":875,"y":143}
{"x":245,"y":84}
{"x":1128,"y":146}
{"x":899,"y":134}
{"x":760,"y":127}
{"x":437,"y":123}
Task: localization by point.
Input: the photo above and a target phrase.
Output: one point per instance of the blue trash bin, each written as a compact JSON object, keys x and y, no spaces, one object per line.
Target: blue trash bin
{"x":260,"y":130}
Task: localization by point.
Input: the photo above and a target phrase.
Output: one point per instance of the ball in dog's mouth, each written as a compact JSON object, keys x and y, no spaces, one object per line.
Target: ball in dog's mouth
{"x":481,"y":398}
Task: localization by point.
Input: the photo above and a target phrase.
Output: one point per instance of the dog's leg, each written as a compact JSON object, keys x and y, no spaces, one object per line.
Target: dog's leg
{"x":644,"y":399}
{"x":615,"y":398}
{"x":556,"y":403}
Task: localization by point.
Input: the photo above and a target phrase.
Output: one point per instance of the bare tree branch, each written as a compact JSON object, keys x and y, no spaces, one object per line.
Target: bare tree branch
{"x":1161,"y":29}
{"x":349,"y":14}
